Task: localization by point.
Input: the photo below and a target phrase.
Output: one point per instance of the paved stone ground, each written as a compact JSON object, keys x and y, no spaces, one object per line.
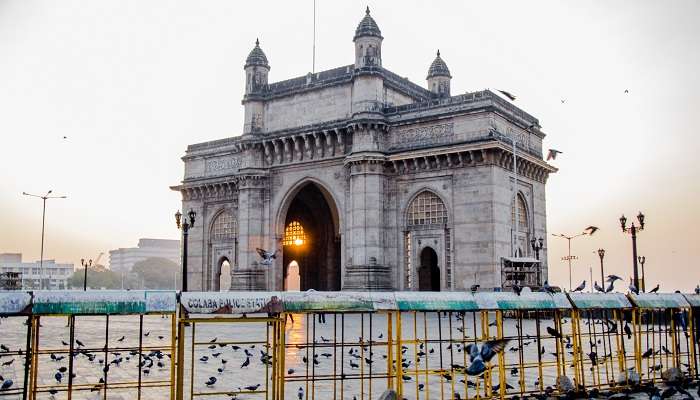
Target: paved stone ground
{"x":231,"y":342}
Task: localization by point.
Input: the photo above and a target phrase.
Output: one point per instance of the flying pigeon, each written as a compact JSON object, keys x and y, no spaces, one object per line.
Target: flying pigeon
{"x":266,"y":256}
{"x":478,"y":357}
{"x":580,"y":287}
{"x":627,"y":91}
{"x":591,"y":230}
{"x":613,"y":278}
{"x":508,"y":95}
{"x":552,"y":154}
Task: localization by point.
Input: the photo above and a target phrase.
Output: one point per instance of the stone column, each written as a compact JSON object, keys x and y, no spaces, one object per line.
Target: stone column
{"x":249,"y":274}
{"x":366,"y":253}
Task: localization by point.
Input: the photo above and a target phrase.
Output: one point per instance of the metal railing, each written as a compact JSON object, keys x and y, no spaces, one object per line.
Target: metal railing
{"x":339,"y":345}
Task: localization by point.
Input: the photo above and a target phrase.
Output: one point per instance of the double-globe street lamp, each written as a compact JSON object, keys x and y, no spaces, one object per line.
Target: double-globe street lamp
{"x":632,"y":230}
{"x":85,"y":265}
{"x":537,"y":245}
{"x":641,"y":260}
{"x":185,"y":225}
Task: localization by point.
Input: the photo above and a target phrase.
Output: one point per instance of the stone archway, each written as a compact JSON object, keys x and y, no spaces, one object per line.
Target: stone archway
{"x":311,"y":238}
{"x":428,"y":272}
{"x":224,"y":275}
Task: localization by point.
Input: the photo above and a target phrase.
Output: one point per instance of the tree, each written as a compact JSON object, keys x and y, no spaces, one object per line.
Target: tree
{"x":156,"y":273}
{"x":98,"y":277}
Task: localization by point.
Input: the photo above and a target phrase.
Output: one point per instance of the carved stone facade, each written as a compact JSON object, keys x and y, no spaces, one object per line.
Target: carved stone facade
{"x":389,"y":186}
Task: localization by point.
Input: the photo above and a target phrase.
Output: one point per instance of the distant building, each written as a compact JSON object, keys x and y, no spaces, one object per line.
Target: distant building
{"x":123,"y":259}
{"x":56,"y":274}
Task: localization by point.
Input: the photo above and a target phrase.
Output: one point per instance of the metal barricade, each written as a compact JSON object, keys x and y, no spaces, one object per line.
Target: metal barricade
{"x":102,"y":343}
{"x":663,"y":335}
{"x":15,"y":344}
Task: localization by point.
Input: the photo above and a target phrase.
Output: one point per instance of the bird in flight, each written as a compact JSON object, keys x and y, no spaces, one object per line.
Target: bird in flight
{"x":591,"y":230}
{"x":267,"y":256}
{"x":552,"y":154}
{"x":627,"y":91}
{"x":479,"y":356}
{"x":508,"y":95}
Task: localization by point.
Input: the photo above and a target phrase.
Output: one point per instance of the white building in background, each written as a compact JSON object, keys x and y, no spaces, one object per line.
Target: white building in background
{"x":123,"y":259}
{"x":56,"y":274}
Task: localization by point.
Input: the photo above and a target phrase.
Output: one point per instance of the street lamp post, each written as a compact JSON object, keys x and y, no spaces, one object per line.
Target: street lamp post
{"x":185,"y":226}
{"x":632,"y":230}
{"x":85,"y":268}
{"x":537,"y":245}
{"x":569,"y":257}
{"x":601,"y":254}
{"x":43,"y":219}
{"x":641,"y":260}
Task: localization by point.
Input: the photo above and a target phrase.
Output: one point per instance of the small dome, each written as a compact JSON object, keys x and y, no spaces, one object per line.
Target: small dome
{"x":438,"y":68}
{"x":367,"y":27}
{"x":256,"y":57}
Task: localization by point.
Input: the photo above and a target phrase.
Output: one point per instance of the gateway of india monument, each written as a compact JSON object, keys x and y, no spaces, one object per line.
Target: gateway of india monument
{"x":360,"y":179}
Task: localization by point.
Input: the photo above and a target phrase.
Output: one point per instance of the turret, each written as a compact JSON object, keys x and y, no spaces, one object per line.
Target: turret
{"x":439,"y":77}
{"x":256,"y":71}
{"x":368,"y":43}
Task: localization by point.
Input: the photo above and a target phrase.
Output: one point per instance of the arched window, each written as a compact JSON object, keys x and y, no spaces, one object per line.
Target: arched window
{"x":224,"y":227}
{"x":294,"y":235}
{"x":427,"y":209}
{"x":523,"y":225}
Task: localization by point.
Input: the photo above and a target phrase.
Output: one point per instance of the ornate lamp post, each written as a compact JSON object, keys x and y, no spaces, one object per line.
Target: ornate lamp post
{"x":641,"y":260}
{"x":85,"y":268}
{"x":632,"y":230}
{"x":601,"y":254}
{"x":537,"y":245}
{"x":185,"y":226}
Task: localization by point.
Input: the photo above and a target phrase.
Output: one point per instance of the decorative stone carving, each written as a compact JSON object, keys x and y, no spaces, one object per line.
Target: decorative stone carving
{"x":224,"y":165}
{"x":422,"y":135}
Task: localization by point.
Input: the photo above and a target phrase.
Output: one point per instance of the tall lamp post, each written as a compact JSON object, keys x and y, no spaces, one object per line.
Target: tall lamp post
{"x":569,"y":257}
{"x":632,"y":230}
{"x":601,"y":254}
{"x":85,"y":268}
{"x":43,"y":219}
{"x":641,"y":260}
{"x":185,"y":225}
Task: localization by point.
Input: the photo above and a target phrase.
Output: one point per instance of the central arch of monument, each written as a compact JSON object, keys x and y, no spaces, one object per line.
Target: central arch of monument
{"x":309,"y":227}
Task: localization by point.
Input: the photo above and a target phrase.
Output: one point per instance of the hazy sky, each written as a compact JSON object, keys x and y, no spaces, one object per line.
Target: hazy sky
{"x":131,"y":83}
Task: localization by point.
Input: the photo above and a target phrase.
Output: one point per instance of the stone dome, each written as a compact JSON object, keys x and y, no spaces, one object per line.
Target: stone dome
{"x":367,"y":27}
{"x":256,"y":57}
{"x":438,"y":68}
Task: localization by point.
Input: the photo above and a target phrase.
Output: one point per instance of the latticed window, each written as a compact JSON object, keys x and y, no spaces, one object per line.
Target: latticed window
{"x":523,"y":225}
{"x":427,"y":209}
{"x":225,"y":227}
{"x":294,"y":234}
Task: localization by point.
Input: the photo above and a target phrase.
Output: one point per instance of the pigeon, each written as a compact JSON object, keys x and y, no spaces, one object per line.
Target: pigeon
{"x":697,"y":289}
{"x":655,"y":289}
{"x":4,"y":348}
{"x":547,"y":288}
{"x":552,"y":154}
{"x":267,"y":256}
{"x":554,"y":332}
{"x":580,"y":287}
{"x":648,"y":353}
{"x":479,"y":356}
{"x":610,"y":288}
{"x":211,"y":381}
{"x":507,"y":94}
{"x":7,"y":363}
{"x":474,"y":288}
{"x":6,"y":384}
{"x":58,"y":377}
{"x":628,"y":331}
{"x":613,"y":278}
{"x":627,"y":91}
{"x":300,"y":393}
{"x":591,"y":230}
{"x":252,"y":388}
{"x":121,"y":339}
{"x":598,"y":288}
{"x":517,"y":289}
{"x":633,"y":289}
{"x":290,"y":371}
{"x":245,"y":363}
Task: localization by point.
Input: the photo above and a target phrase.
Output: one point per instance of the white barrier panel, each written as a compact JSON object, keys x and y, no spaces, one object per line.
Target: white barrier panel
{"x":14,"y":302}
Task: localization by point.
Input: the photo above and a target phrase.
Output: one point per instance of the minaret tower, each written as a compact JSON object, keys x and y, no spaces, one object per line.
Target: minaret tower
{"x":439,"y":77}
{"x":256,"y":71}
